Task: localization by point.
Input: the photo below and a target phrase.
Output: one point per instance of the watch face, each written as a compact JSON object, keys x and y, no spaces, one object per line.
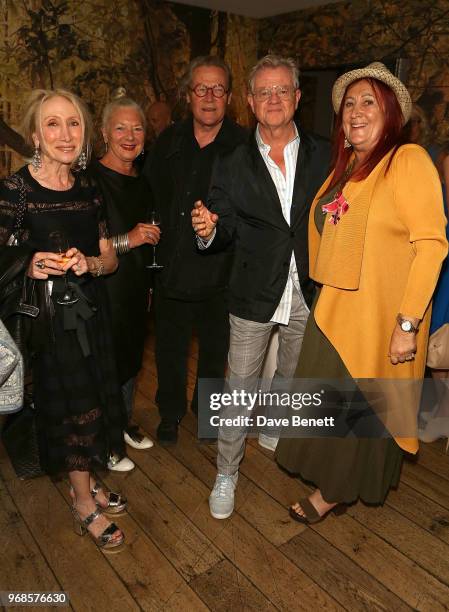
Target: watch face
{"x":406,"y":326}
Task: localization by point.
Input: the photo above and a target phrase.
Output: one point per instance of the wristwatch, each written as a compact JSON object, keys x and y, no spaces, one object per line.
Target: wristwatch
{"x":406,"y":325}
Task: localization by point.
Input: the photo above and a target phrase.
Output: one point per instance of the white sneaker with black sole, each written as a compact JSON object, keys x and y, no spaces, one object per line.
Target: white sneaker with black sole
{"x":221,"y":499}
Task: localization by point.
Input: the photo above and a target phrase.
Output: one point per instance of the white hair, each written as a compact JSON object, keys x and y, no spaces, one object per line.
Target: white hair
{"x":274,"y":61}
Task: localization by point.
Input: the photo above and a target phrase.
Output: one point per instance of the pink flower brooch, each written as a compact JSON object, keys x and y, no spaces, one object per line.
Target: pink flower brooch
{"x":337,"y":208}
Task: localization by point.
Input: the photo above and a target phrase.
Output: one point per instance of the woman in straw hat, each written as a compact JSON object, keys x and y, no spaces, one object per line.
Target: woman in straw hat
{"x":375,"y":253}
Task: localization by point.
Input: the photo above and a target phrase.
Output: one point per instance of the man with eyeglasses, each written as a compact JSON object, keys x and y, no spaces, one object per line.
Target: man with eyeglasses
{"x":189,"y":290}
{"x":259,"y":202}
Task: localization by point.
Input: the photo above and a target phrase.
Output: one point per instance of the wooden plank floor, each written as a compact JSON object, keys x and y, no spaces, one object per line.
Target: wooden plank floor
{"x":178,"y":558}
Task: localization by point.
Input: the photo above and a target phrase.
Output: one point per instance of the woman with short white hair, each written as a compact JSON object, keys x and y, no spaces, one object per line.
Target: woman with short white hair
{"x":126,"y":195}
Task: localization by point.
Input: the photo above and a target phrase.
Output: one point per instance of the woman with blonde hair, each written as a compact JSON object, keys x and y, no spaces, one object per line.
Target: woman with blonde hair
{"x":51,"y":209}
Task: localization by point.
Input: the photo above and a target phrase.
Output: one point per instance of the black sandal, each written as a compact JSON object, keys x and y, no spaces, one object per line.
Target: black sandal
{"x":311,"y":515}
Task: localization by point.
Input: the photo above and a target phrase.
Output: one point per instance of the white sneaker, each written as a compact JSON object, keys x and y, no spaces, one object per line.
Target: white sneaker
{"x":117,"y":464}
{"x":221,"y":499}
{"x":268,"y":442}
{"x":137,"y":440}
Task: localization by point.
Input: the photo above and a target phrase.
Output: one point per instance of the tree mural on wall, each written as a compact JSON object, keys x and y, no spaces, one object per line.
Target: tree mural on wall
{"x":368,"y":30}
{"x":62,"y":44}
{"x":95,"y":46}
{"x":31,"y":51}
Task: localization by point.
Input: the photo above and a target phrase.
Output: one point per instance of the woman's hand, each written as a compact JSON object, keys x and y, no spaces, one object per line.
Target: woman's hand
{"x":402,"y":346}
{"x":107,"y":262}
{"x":44,"y":264}
{"x":77,"y":262}
{"x":143,"y":233}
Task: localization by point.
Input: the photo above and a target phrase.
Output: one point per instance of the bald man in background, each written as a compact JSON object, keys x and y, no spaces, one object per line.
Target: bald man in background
{"x":159,"y":117}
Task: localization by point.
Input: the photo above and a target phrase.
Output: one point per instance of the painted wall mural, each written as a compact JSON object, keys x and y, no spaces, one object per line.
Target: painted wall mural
{"x":96,"y":46}
{"x":361,"y":31}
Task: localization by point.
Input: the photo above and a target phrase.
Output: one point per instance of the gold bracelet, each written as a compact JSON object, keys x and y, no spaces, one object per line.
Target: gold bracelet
{"x":99,"y":269}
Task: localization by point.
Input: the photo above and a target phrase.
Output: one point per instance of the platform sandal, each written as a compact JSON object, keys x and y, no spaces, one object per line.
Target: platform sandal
{"x":116,"y":502}
{"x":104,"y":540}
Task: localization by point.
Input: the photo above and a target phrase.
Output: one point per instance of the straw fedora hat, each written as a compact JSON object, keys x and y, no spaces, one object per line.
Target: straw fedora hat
{"x":378,"y":71}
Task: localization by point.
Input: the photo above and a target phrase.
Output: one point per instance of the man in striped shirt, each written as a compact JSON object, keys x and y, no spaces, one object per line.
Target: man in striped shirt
{"x":259,"y":202}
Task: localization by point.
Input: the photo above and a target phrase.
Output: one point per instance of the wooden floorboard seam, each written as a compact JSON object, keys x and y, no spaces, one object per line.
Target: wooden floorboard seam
{"x":310,"y":576}
{"x":203,"y":553}
{"x":414,"y":560}
{"x":211,"y":541}
{"x":30,"y":532}
{"x":372,"y":531}
{"x":244,"y":518}
{"x":106,"y":556}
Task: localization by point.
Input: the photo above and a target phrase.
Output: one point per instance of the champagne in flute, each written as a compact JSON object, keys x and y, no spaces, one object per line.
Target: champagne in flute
{"x":154,"y":219}
{"x":60,"y":244}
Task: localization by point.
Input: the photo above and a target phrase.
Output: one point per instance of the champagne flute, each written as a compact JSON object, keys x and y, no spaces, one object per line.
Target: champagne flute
{"x":154,"y":219}
{"x":60,"y":244}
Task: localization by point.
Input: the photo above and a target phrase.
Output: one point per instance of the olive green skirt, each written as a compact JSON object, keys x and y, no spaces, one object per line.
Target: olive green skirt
{"x":344,"y":469}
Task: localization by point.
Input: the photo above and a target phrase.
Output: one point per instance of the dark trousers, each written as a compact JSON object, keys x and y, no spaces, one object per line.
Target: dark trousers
{"x":175,"y":321}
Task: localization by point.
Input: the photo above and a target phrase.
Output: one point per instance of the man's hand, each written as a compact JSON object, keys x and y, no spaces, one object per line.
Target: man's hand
{"x":203,"y":220}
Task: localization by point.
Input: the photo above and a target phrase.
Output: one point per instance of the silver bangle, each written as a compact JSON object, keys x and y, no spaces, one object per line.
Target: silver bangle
{"x":121,"y":243}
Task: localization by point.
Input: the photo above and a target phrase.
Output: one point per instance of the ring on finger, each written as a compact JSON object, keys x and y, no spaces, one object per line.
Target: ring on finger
{"x":40,"y":264}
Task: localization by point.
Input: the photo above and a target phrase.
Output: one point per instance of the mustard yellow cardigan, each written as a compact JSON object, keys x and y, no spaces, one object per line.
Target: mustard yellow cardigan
{"x":382,"y":258}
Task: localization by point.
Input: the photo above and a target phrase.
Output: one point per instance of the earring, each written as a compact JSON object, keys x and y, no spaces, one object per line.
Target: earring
{"x":105,"y":146}
{"x":347,"y":144}
{"x":82,"y":160}
{"x":36,"y":160}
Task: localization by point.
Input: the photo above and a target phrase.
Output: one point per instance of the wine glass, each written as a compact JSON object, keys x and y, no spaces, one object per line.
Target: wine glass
{"x":60,"y":244}
{"x":154,"y":219}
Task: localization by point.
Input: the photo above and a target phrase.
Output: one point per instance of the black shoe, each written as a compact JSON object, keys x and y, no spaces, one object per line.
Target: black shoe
{"x":167,"y":432}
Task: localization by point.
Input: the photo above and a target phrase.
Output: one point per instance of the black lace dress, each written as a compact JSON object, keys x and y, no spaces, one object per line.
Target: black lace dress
{"x":76,"y":392}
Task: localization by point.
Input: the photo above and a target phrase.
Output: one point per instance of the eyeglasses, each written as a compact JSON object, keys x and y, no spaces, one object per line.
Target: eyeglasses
{"x":282,"y":91}
{"x":218,"y":91}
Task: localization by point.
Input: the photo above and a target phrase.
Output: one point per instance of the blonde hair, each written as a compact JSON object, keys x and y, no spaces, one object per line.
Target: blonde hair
{"x":31,"y":122}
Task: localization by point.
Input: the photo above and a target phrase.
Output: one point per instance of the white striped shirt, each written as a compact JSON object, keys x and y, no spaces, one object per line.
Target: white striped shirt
{"x":284,"y":187}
